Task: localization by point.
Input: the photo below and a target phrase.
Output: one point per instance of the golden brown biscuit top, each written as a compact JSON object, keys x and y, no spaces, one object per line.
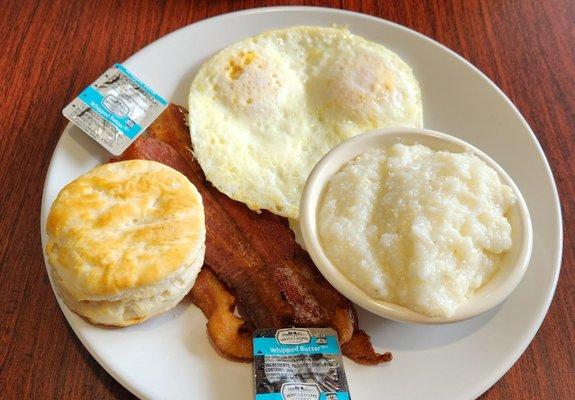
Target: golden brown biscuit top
{"x":124,"y":226}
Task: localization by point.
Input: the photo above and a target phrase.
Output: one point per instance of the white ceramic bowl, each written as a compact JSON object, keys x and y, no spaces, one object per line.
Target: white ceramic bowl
{"x":490,"y":295}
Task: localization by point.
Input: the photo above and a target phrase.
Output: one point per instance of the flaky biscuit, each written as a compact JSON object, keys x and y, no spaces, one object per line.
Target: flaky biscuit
{"x":126,"y":241}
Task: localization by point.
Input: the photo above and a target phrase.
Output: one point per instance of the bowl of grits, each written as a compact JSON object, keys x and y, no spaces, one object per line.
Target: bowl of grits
{"x":416,"y":225}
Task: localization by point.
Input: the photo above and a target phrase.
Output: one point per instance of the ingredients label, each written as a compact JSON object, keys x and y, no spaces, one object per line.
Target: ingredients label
{"x":298,"y":364}
{"x":115,"y":109}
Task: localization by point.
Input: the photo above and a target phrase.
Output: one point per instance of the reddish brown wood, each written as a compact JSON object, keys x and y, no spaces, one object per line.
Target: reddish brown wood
{"x":50,"y":50}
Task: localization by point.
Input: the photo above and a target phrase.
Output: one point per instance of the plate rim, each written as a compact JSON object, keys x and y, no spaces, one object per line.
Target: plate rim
{"x":509,"y":361}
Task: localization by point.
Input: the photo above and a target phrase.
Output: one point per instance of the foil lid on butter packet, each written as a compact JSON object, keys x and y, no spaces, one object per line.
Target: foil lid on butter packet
{"x":298,"y":364}
{"x":115,"y":109}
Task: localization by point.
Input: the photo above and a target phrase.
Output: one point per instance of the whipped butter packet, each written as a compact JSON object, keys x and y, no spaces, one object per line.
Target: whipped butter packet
{"x":115,"y":109}
{"x":298,"y":364}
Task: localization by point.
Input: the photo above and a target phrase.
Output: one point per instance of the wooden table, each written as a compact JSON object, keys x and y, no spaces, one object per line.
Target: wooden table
{"x":51,"y":50}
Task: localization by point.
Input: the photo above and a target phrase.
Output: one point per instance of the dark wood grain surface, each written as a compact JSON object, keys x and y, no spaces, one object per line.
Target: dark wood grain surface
{"x":50,"y":50}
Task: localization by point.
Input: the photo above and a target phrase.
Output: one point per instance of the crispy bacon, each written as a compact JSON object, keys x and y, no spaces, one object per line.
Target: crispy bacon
{"x":315,"y":301}
{"x":227,"y":331}
{"x":360,"y":350}
{"x":271,"y":277}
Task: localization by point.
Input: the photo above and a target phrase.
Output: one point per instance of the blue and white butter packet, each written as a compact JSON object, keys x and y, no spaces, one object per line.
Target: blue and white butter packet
{"x":115,"y":109}
{"x":298,"y":364}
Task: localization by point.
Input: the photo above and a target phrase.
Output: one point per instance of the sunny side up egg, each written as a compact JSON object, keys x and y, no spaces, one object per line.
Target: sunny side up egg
{"x":266,"y":109}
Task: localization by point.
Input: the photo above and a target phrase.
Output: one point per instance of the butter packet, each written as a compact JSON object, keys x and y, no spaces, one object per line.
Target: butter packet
{"x":298,"y":364}
{"x":115,"y":109}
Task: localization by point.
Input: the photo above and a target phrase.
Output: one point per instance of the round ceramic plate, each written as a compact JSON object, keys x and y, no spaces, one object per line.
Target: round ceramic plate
{"x":170,"y":357}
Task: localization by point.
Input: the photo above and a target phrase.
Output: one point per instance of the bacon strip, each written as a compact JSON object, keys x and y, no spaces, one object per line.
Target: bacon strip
{"x":272,"y":278}
{"x":360,"y":350}
{"x":228,"y":332}
{"x":314,"y":300}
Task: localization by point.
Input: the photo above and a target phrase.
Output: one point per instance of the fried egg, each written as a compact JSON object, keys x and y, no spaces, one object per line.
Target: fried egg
{"x":264,"y":110}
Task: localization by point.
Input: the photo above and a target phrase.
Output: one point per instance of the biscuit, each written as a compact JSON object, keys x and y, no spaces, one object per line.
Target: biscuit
{"x":126,"y":241}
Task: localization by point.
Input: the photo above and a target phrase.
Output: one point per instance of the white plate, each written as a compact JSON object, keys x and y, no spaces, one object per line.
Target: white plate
{"x":170,"y":357}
